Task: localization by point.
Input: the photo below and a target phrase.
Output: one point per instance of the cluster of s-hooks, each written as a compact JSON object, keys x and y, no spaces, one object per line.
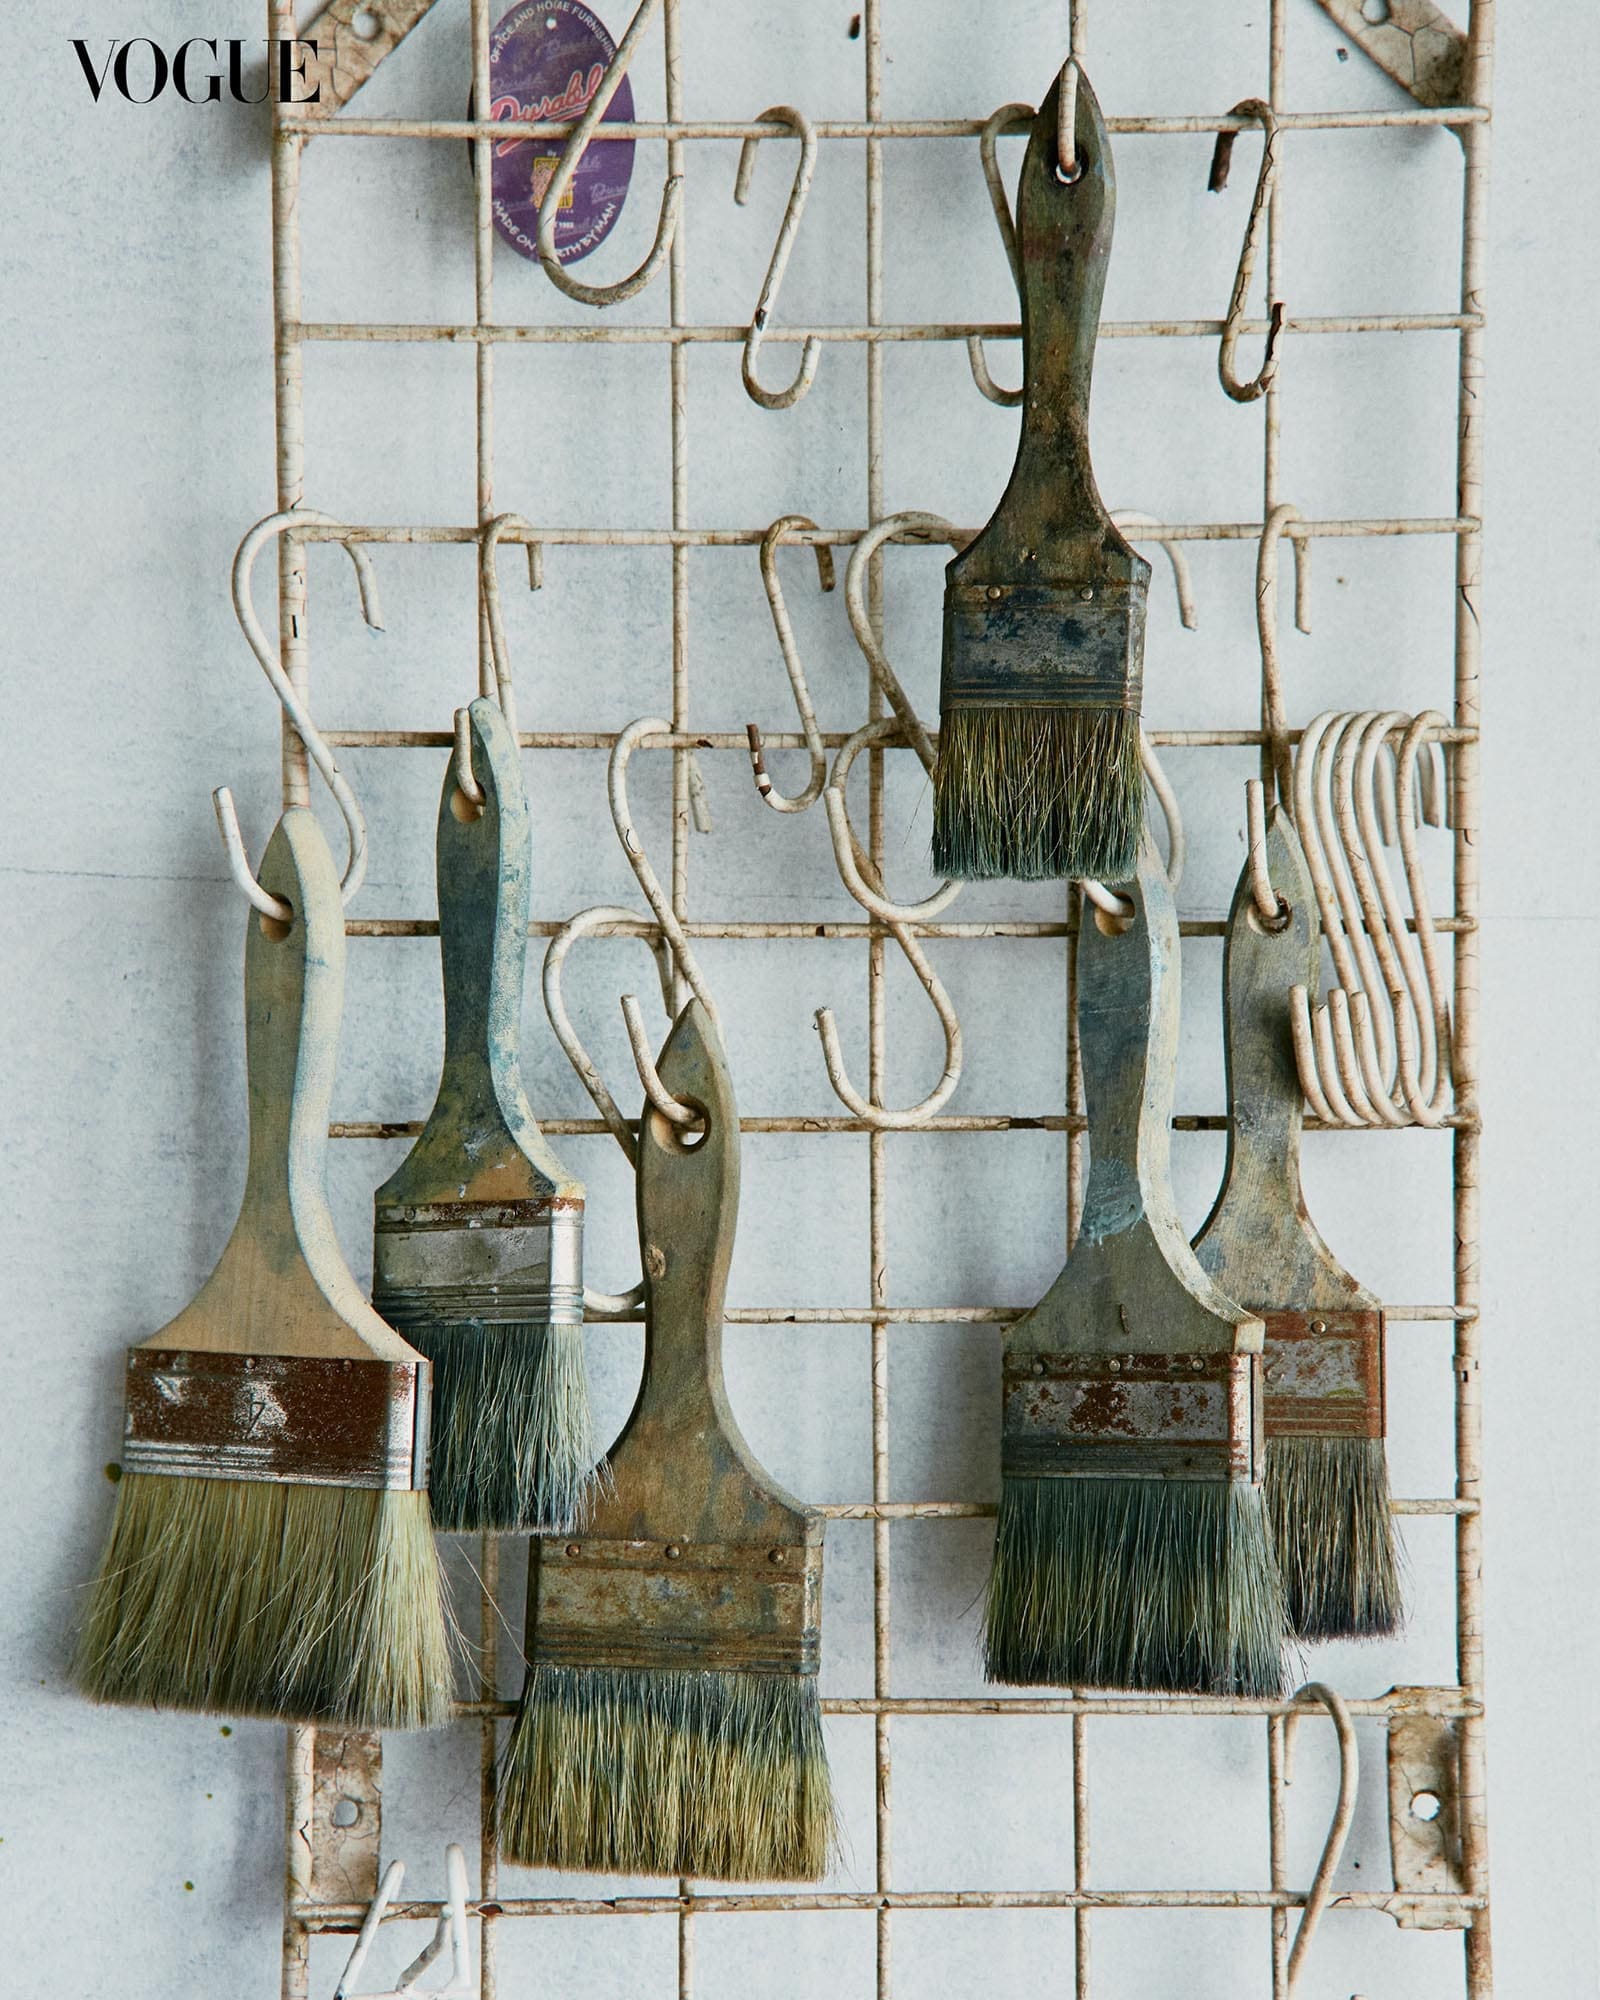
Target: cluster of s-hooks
{"x":856,"y":869}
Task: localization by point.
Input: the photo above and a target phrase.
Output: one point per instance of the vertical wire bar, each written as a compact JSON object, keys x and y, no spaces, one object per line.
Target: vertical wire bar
{"x":678,"y":366}
{"x":1272,"y":419}
{"x":877,"y":1142}
{"x":489,"y":1593}
{"x":1077,"y":1157}
{"x":289,"y":428}
{"x":1271,"y":763}
{"x":1468,"y":644}
{"x":288,"y":413}
{"x":678,"y":381}
{"x":483,"y":305}
{"x":488,"y":1794}
{"x":300,"y":1747}
{"x":1277,"y":1863}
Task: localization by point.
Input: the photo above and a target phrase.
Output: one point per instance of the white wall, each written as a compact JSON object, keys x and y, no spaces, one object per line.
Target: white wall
{"x":141,"y":1854}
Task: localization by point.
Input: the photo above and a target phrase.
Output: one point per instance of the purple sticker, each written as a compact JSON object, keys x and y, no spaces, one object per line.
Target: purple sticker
{"x":545,"y":63}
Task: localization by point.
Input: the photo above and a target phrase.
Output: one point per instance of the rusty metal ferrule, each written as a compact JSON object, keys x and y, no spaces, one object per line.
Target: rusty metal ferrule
{"x":295,"y":1420}
{"x":497,"y":1263}
{"x":1324,"y":1374}
{"x":677,"y":1606}
{"x":1134,"y":1416}
{"x":1044,"y":646}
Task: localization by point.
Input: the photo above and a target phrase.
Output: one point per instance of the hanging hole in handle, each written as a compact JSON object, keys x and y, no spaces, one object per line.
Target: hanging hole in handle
{"x":1080,"y":166}
{"x":679,"y":1138}
{"x":277,"y":928}
{"x":466,"y":810}
{"x":346,"y":1812}
{"x":1426,"y":1805}
{"x":366,"y":24}
{"x":1260,"y":925}
{"x":1110,"y":926}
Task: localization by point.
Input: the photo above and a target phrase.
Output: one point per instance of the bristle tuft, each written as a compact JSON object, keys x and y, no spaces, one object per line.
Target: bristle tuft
{"x":1328,"y":1502}
{"x":1037,"y":794}
{"x":719,"y":1775}
{"x":1169,"y":1586}
{"x":242,"y":1597}
{"x":512,"y":1444}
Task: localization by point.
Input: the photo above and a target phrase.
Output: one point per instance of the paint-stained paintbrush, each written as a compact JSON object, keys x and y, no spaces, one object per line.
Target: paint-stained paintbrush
{"x":670,"y":1723}
{"x":272,"y":1552}
{"x":1038,"y":774}
{"x":477,"y":1237}
{"x":1133,"y":1549}
{"x":1327,"y":1475}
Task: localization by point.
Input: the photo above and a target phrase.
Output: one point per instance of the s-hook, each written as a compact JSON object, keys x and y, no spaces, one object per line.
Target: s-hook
{"x":778,"y":263}
{"x":495,"y":681}
{"x":1339,"y":1828}
{"x":451,"y":1930}
{"x":289,"y":521}
{"x":567,"y":166}
{"x":770,"y":795}
{"x":1259,"y":113}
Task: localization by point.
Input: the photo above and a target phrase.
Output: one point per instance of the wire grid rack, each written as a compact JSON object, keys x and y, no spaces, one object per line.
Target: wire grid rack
{"x":331,"y":1870}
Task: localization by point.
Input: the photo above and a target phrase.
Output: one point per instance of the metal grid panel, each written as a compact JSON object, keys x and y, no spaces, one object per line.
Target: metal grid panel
{"x":309,"y":1907}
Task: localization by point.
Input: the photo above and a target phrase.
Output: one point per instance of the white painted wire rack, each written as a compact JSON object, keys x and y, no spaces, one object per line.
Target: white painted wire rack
{"x":1434,"y":1733}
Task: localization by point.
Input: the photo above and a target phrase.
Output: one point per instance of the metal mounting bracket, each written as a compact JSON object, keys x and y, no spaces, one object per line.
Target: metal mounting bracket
{"x":354,"y":36}
{"x":1410,"y":40}
{"x":346,"y":1815}
{"x":1424,"y":1816}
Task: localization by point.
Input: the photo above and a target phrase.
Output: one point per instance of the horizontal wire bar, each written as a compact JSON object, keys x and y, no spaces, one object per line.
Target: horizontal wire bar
{"x":777,"y":739}
{"x":1449,"y":1702}
{"x":349,"y":1916}
{"x":953,"y":1315}
{"x":845,"y":929}
{"x":985,"y":1510}
{"x":423,"y":534}
{"x":853,"y":128}
{"x":587,"y":334}
{"x":1054,"y":1121}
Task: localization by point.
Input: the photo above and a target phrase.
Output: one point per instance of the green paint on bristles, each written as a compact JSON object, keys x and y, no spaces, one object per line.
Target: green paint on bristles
{"x":1169,"y":1586}
{"x":246,"y":1597}
{"x":1037,"y":794}
{"x":511,"y":1448}
{"x":1329,"y":1504}
{"x":634,"y":1772}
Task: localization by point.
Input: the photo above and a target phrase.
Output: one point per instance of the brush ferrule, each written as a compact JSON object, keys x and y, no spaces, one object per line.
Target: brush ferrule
{"x":1023,"y":645}
{"x":1324,"y":1374}
{"x":493,"y":1263}
{"x":1133,"y":1416}
{"x":677,"y":1606}
{"x":292,"y":1419}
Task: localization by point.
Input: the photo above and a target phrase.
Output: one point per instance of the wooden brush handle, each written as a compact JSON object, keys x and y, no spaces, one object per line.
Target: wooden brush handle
{"x":1132,"y":1285}
{"x":1128,"y":981}
{"x":282,"y":1285}
{"x":681,"y":1470}
{"x":481,"y":1140}
{"x":1258,"y":1241}
{"x":1050,"y":527}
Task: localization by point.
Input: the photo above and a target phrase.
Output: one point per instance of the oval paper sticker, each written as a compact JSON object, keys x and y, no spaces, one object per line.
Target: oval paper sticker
{"x":545,"y":63}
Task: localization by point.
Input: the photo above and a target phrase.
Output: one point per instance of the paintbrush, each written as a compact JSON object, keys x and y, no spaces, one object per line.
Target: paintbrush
{"x":1132,"y":1549}
{"x":1327,"y":1475}
{"x":478,"y":1235}
{"x":272,"y":1552}
{"x":1038,"y":774}
{"x":670,"y":1723}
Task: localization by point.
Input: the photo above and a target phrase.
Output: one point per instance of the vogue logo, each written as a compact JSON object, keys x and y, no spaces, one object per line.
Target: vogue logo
{"x":140,"y":70}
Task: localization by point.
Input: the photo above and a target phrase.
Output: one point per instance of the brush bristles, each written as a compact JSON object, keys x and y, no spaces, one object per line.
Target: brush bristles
{"x":1037,"y":794}
{"x":720,"y":1775}
{"x":512,"y":1444}
{"x":1169,"y":1586}
{"x":241,"y":1597}
{"x":1328,"y":1502}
